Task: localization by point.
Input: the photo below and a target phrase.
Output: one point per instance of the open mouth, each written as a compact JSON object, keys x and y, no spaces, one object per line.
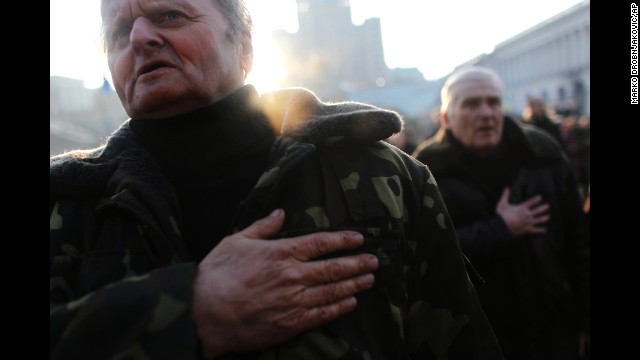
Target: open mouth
{"x":152,"y":67}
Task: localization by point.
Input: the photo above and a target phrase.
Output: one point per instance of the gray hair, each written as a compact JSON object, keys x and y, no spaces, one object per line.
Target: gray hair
{"x":238,"y":16}
{"x":449,"y":92}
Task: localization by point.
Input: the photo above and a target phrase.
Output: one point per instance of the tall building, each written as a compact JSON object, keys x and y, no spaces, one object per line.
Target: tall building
{"x":341,"y":61}
{"x":329,"y":54}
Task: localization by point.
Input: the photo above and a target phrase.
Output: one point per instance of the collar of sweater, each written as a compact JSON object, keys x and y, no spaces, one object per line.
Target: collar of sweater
{"x":209,"y":137}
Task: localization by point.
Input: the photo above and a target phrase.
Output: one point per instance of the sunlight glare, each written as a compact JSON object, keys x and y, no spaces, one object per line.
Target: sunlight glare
{"x":268,"y":68}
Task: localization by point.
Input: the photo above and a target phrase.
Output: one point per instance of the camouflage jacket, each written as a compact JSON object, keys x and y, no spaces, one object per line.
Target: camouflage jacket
{"x":120,"y":279}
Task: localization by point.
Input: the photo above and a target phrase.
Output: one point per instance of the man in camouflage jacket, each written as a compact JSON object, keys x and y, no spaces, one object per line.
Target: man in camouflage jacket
{"x":121,"y":279}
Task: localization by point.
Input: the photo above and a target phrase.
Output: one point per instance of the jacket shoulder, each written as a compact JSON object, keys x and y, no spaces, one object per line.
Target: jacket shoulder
{"x":541,"y":143}
{"x":299,"y":114}
{"x":437,"y":152}
{"x":82,"y":171}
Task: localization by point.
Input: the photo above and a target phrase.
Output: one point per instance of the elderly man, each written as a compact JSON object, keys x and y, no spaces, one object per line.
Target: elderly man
{"x":512,"y":197}
{"x":220,"y":223}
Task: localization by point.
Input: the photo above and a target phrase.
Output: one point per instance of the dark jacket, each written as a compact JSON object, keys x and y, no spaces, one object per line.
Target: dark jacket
{"x":545,"y":123}
{"x":535,"y":293}
{"x":121,"y":279}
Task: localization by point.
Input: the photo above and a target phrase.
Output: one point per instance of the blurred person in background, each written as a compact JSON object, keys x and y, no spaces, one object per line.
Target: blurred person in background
{"x":583,"y":156}
{"x":576,"y":136}
{"x":513,"y":199}
{"x":217,"y":222}
{"x":535,"y":113}
{"x":404,"y":141}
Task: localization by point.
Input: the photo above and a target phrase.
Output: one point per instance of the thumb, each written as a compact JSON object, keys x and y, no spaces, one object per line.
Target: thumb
{"x":505,"y":196}
{"x":266,"y":227}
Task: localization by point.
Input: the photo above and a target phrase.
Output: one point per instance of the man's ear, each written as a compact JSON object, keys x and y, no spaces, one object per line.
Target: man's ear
{"x":444,"y":119}
{"x":246,"y":53}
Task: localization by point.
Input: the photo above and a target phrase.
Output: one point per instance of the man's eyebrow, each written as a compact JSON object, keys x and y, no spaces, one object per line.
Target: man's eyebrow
{"x":495,"y":98}
{"x":121,"y":20}
{"x":480,"y":97}
{"x":157,"y":6}
{"x":118,"y":22}
{"x":471,"y":99}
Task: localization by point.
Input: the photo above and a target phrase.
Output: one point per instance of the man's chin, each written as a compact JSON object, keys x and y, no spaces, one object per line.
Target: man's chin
{"x":150,"y":92}
{"x":490,"y":141}
{"x":486,"y":145}
{"x":162,"y":106}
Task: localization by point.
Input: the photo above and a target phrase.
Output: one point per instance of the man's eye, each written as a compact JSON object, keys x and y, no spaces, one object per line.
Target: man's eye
{"x":173,"y":15}
{"x":472,"y":103}
{"x":122,"y":33}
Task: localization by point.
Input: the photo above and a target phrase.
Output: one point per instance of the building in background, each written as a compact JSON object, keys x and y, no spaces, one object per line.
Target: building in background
{"x":81,"y":118}
{"x":550,"y":60}
{"x":341,"y":61}
{"x":328,"y":53}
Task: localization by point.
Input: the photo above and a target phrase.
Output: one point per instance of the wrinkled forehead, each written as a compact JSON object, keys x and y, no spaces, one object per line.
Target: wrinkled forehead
{"x":116,"y":9}
{"x":475,"y":88}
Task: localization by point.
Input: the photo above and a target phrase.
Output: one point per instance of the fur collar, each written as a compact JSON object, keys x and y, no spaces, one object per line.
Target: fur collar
{"x":299,"y":114}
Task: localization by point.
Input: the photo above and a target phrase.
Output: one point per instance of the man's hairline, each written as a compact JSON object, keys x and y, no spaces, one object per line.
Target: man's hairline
{"x":233,"y":36}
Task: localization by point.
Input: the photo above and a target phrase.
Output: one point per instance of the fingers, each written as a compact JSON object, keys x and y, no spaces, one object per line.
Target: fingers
{"x":267,"y":227}
{"x":334,"y":292}
{"x":537,"y":225}
{"x":328,"y":302}
{"x":539,"y":210}
{"x":533,"y":201}
{"x":539,"y":217}
{"x":318,"y":244}
{"x":542,"y":219}
{"x":348,"y":273}
{"x":504,"y":198}
{"x":336,"y":269}
{"x":304,"y":247}
{"x":321,"y":315}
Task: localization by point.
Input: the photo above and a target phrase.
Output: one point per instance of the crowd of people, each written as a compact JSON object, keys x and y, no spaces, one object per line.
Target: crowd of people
{"x":572,"y":132}
{"x":218,"y":222}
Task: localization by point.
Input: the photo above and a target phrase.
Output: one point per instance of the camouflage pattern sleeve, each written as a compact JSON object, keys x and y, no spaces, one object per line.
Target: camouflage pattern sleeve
{"x":139,"y":316}
{"x":445,"y":317}
{"x":142,"y":317}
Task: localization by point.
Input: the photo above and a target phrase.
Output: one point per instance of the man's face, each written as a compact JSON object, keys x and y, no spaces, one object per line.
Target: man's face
{"x":168,"y":57}
{"x":537,"y":107}
{"x":476,"y":117}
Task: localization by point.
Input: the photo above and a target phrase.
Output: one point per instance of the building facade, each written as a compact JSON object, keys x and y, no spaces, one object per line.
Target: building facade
{"x":550,"y":60}
{"x":329,"y":54}
{"x":81,"y":118}
{"x":341,"y":61}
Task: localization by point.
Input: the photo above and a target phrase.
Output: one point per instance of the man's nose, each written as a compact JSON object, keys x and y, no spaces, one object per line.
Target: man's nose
{"x":486,"y":109}
{"x":144,"y":35}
